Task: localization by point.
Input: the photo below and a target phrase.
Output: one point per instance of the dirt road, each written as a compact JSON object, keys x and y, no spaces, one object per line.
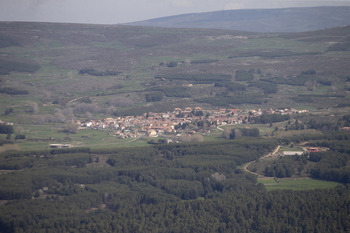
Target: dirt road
{"x":245,"y":166}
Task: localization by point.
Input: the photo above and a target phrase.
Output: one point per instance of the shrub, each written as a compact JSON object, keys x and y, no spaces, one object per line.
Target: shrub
{"x":203,"y":61}
{"x":20,"y":136}
{"x":154,"y":96}
{"x":172,"y":64}
{"x":13,"y":91}
{"x":242,"y":75}
{"x":6,"y":129}
{"x":94,"y":72}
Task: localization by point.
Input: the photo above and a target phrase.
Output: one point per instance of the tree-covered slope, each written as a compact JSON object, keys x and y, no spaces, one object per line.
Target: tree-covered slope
{"x":164,"y":188}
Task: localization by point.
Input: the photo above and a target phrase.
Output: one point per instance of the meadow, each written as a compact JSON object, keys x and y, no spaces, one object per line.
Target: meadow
{"x":296,"y":184}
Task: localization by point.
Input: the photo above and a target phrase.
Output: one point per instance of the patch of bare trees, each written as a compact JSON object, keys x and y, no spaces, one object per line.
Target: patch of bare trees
{"x":60,"y":116}
{"x":120,"y":102}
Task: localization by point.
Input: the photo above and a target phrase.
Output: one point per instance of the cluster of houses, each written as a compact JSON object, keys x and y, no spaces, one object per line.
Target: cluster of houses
{"x":156,"y":124}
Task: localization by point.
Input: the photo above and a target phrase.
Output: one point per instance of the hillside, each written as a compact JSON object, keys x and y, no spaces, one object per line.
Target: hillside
{"x":259,"y":20}
{"x":55,"y":73}
{"x":60,"y":62}
{"x":90,"y":140}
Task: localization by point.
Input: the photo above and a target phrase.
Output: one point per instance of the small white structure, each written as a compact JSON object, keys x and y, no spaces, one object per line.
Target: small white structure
{"x":292,"y":153}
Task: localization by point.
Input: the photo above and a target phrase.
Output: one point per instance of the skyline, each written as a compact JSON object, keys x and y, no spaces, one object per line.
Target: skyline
{"x":118,"y":12}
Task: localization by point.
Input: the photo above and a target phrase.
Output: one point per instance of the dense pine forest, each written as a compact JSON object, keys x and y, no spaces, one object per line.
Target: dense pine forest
{"x":196,"y":187}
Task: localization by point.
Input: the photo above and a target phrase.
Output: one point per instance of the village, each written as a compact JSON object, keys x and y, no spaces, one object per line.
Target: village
{"x":176,"y":122}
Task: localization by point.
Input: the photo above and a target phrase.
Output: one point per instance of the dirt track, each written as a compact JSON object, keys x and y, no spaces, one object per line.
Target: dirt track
{"x":273,"y":154}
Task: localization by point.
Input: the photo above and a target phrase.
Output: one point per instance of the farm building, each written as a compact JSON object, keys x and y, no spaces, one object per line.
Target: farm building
{"x":60,"y":145}
{"x":292,"y":153}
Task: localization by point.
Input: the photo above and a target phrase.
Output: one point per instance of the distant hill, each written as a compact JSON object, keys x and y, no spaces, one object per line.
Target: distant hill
{"x":259,"y":20}
{"x":129,"y":70}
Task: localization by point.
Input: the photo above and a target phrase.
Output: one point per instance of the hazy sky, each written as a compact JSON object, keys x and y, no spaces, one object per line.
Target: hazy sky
{"x":123,"y":11}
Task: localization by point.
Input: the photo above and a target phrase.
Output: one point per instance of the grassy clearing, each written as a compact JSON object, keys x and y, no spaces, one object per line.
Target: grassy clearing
{"x":296,"y":184}
{"x":281,"y":43}
{"x":112,"y":44}
{"x":156,"y":60}
{"x":121,"y":143}
{"x":102,"y":139}
{"x":39,"y":137}
{"x":32,"y":145}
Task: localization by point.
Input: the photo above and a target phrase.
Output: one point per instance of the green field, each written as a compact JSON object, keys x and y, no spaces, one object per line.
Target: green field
{"x":296,"y":184}
{"x":39,"y":137}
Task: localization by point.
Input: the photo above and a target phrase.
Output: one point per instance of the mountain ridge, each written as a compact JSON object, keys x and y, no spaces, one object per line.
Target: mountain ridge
{"x":259,"y":20}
